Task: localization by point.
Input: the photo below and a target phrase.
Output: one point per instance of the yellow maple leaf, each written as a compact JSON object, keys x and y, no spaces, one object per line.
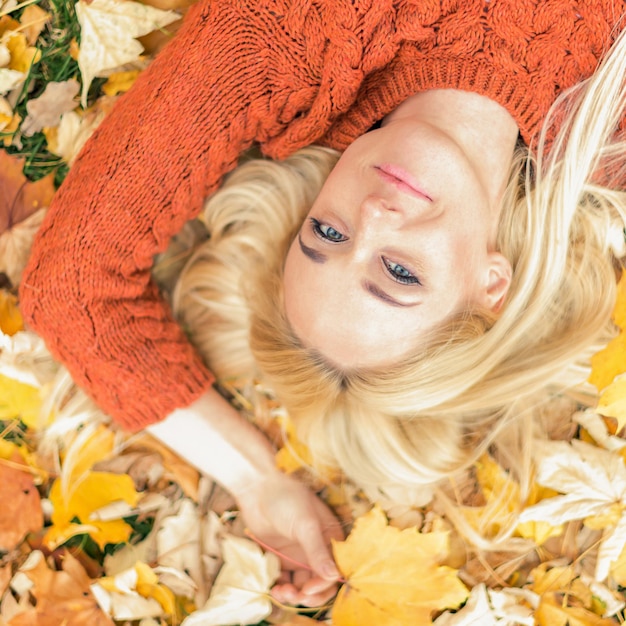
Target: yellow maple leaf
{"x":79,"y":491}
{"x":612,"y":402}
{"x":120,"y":82}
{"x":19,"y":401}
{"x":94,"y":491}
{"x":23,"y":56}
{"x":10,"y":317}
{"x":611,"y":361}
{"x":393,"y":577}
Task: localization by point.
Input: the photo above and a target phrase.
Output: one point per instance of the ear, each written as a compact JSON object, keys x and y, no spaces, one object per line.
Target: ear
{"x":497,"y":281}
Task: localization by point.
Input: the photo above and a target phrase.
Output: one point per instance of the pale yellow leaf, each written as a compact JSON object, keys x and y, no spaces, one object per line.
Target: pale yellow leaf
{"x":240,"y":594}
{"x":108,"y":35}
{"x":10,"y":79}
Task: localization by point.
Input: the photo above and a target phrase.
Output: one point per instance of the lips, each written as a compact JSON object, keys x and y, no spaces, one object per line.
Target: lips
{"x":401,"y":179}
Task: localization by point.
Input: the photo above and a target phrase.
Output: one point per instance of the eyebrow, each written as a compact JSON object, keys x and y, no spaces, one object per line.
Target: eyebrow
{"x":319,"y":257}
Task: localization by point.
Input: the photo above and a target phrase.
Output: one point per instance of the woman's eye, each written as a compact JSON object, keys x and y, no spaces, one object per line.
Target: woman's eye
{"x":327,"y":232}
{"x":400,"y":273}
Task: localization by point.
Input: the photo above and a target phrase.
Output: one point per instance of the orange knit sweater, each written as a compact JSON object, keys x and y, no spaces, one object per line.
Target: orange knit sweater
{"x":284,"y":74}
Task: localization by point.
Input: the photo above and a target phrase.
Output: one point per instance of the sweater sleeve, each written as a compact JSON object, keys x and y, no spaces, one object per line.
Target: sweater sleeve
{"x":87,"y":289}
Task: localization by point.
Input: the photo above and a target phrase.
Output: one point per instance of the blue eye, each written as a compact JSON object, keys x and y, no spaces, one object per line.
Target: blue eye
{"x":327,"y":232}
{"x":400,"y":274}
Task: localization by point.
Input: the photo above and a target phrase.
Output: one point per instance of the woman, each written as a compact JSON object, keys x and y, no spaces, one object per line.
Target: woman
{"x":390,"y":331}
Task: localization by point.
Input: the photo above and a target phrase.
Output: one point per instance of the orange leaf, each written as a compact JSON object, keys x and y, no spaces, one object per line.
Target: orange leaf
{"x":20,"y":198}
{"x":20,"y":512}
{"x":62,"y":597}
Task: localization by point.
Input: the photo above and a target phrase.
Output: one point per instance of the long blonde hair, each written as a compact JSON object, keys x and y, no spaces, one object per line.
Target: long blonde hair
{"x":435,"y":412}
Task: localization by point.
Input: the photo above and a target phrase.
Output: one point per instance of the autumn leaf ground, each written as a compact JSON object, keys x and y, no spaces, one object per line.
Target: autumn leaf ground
{"x":99,"y":528}
{"x":56,"y":65}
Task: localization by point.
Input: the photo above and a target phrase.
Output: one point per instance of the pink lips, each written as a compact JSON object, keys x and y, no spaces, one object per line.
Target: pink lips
{"x":401,"y":179}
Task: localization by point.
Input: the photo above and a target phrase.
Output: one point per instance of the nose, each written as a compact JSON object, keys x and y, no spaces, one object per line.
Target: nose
{"x":377,"y":207}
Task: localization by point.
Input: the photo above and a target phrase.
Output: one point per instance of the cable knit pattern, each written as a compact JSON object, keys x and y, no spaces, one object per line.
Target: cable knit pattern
{"x":283,"y":73}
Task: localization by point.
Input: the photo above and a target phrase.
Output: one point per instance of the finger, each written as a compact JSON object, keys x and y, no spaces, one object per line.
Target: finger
{"x":285,"y":594}
{"x":316,"y":599}
{"x":309,"y":536}
{"x":300,"y":578}
{"x":317,"y":585}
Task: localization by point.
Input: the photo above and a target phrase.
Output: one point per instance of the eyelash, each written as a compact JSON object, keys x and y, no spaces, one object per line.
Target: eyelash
{"x":316,"y":226}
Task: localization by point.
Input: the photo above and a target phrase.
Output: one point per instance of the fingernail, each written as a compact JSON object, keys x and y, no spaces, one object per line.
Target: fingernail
{"x":329,"y":570}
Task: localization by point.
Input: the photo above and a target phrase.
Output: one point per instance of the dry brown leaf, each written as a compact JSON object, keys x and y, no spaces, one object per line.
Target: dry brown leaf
{"x":5,"y":577}
{"x":33,"y":21}
{"x":20,"y":198}
{"x":62,"y":597}
{"x":20,"y":512}
{"x":16,"y":244}
{"x":46,"y":110}
{"x":180,"y":472}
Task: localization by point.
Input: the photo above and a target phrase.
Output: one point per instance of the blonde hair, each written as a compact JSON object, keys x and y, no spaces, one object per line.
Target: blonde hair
{"x":437,"y":411}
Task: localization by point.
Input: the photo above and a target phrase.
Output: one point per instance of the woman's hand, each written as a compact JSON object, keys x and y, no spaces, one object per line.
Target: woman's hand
{"x":279,"y":510}
{"x":285,"y":515}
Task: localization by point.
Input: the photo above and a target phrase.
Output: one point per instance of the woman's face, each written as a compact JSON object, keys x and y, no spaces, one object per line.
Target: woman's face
{"x":399,"y":239}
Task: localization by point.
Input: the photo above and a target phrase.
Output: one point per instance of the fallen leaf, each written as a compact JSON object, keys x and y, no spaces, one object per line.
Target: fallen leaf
{"x":24,"y":358}
{"x":108,"y":32}
{"x":33,"y":21}
{"x":179,"y":544}
{"x":23,"y":56}
{"x":240,"y":594}
{"x":394,"y":577}
{"x":16,"y":244}
{"x":20,"y":198}
{"x":61,"y":597}
{"x":120,"y":82}
{"x":10,"y":317}
{"x":610,"y":362}
{"x":11,"y":131}
{"x":19,"y":401}
{"x":489,"y":607}
{"x":612,"y":402}
{"x":75,"y":128}
{"x":20,"y":512}
{"x":177,"y":470}
{"x":46,"y":110}
{"x":95,"y":490}
{"x":552,"y":611}
{"x":10,"y":79}
{"x":134,"y":594}
{"x":593,"y":484}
